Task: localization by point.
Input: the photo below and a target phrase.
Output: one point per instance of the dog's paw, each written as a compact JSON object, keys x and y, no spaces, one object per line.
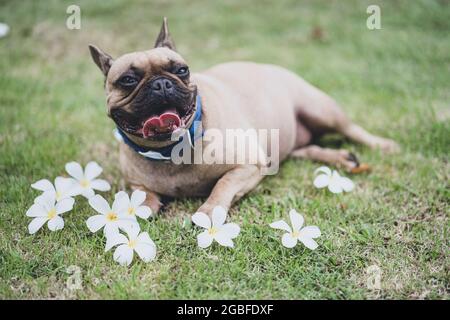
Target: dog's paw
{"x":386,"y":145}
{"x":208,"y":208}
{"x":152,"y":199}
{"x":346,"y":160}
{"x":154,"y":204}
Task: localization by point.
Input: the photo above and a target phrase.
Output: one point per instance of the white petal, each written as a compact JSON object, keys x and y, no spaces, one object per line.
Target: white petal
{"x":131,"y":228}
{"x":36,"y":224}
{"x":87,"y":192}
{"x":100,"y":185}
{"x":75,"y":170}
{"x":36,"y":210}
{"x":145,"y":251}
{"x":347,"y":184}
{"x":43,"y":199}
{"x":281,"y":225}
{"x":224,"y":239}
{"x":335,"y":184}
{"x":288,"y":240}
{"x":43,"y":185}
{"x":231,"y":229}
{"x":92,"y":170}
{"x":143,"y":212}
{"x":201,"y":219}
{"x":64,"y":205}
{"x":57,"y":223}
{"x":99,"y":204}
{"x":204,"y":239}
{"x":110,"y":229}
{"x":323,"y":169}
{"x":95,"y":223}
{"x":46,"y":200}
{"x":321,"y":181}
{"x":121,"y":194}
{"x":310,"y":232}
{"x":75,"y":188}
{"x":120,"y":204}
{"x":145,"y":238}
{"x":114,"y":239}
{"x":123,"y":254}
{"x":296,"y":220}
{"x":61,"y":183}
{"x":137,"y":198}
{"x":219,"y":215}
{"x":66,"y":187}
{"x":308,"y":242}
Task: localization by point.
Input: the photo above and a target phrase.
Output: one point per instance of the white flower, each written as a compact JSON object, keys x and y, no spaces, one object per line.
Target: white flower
{"x":85,"y":180}
{"x":4,"y":29}
{"x":139,"y":242}
{"x":217,"y":230}
{"x":297,"y":233}
{"x":132,"y":207}
{"x":332,"y":180}
{"x":45,"y":210}
{"x":63,"y":188}
{"x":109,"y":218}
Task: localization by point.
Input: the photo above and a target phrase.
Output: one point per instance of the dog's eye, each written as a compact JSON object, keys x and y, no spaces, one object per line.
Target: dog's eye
{"x":183,"y":71}
{"x":128,"y":81}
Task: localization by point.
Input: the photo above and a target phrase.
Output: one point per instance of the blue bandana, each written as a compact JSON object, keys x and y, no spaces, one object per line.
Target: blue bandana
{"x":163,"y":154}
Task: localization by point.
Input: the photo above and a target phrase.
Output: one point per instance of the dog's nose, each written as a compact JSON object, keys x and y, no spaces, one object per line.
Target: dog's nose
{"x":161,"y":86}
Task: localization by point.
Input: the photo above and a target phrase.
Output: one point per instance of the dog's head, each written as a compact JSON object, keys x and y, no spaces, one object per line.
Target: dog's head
{"x":149,"y":94}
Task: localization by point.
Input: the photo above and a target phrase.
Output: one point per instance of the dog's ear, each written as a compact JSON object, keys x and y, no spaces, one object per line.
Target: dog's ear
{"x":164,"y":39}
{"x":101,"y":59}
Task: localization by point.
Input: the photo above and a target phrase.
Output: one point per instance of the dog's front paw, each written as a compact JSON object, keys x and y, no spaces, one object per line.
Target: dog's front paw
{"x":208,"y":208}
{"x":152,"y":199}
{"x":154,"y":204}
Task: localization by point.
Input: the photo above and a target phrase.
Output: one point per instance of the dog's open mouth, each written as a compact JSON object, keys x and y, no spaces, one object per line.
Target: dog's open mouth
{"x":167,"y":122}
{"x":155,"y":126}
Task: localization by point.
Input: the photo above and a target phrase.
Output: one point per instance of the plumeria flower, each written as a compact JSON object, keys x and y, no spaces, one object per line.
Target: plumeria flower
{"x":63,"y":188}
{"x":136,"y":241}
{"x":4,"y":30}
{"x":109,"y":218}
{"x":297,"y":233}
{"x":46,"y":209}
{"x":86,"y":181}
{"x":332,"y":180}
{"x":216,"y":229}
{"x":133,"y":207}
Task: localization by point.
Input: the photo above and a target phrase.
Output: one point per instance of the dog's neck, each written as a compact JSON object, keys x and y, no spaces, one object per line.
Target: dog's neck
{"x":155,"y":144}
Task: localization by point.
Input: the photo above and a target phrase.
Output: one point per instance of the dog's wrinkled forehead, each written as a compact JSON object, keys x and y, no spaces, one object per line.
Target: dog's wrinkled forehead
{"x":151,"y":63}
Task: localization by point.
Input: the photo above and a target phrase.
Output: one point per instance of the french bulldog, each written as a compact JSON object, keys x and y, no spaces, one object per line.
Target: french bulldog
{"x":151,"y":94}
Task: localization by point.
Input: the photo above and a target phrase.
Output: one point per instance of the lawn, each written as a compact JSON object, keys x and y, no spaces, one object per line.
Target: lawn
{"x":393,"y":81}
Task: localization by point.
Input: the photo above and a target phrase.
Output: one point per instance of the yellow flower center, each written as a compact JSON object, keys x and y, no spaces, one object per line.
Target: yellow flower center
{"x":212,"y":231}
{"x":84,"y":183}
{"x":295,"y":234}
{"x":131,"y":211}
{"x":51,"y":214}
{"x":111,"y":216}
{"x":58,"y":195}
{"x":132,"y":244}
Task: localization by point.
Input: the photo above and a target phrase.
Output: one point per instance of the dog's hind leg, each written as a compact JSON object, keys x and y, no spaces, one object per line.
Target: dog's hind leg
{"x":358,"y":134}
{"x":321,"y":114}
{"x":340,"y":158}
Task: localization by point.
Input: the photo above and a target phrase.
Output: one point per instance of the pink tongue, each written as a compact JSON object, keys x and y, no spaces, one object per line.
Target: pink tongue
{"x":163,"y":123}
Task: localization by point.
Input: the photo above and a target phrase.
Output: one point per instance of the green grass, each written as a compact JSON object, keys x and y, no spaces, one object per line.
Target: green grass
{"x":394,"y":82}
